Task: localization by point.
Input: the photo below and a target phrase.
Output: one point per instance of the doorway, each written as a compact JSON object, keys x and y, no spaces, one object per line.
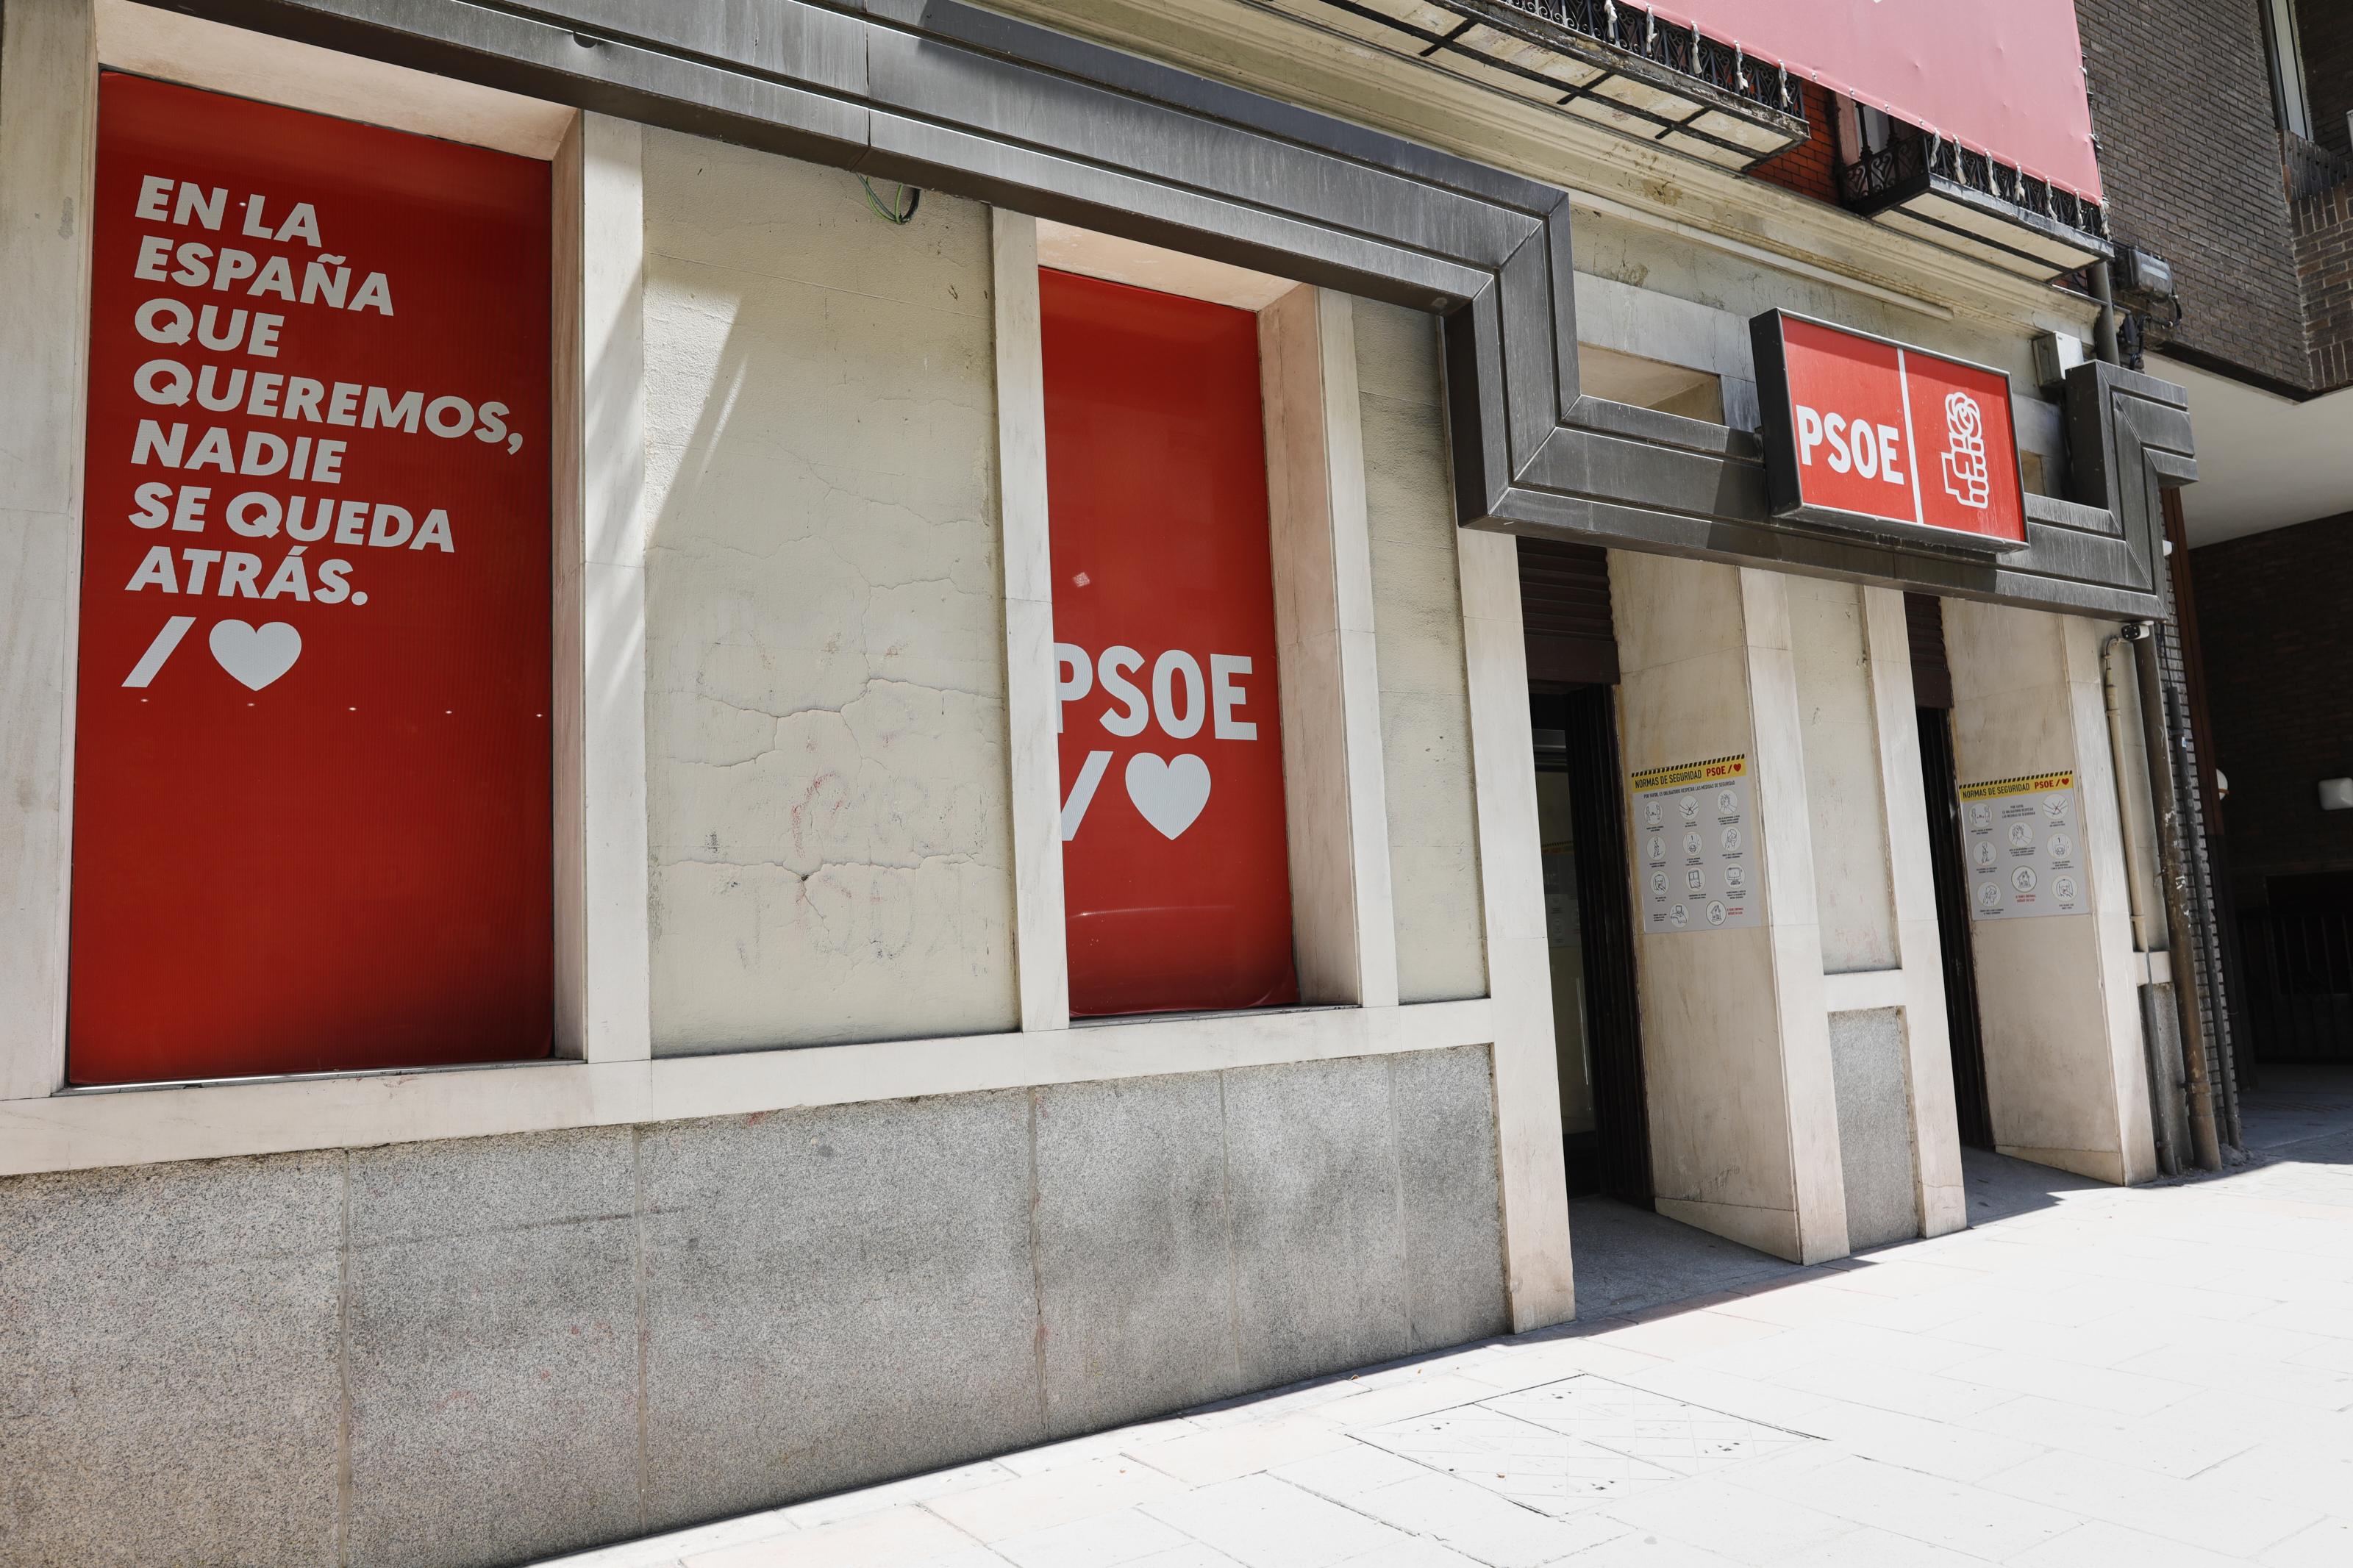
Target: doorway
{"x":1590,"y":927}
{"x":1572,"y":650}
{"x":1932,"y":690}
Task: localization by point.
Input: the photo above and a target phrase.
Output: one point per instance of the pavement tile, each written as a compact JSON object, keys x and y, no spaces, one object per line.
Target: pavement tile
{"x":2101,"y":1545}
{"x":1021,"y":1504}
{"x":2292,"y":1473}
{"x":1638,"y":1551}
{"x":1795,"y":1306}
{"x":2220,"y":1519}
{"x":1414,"y":1553}
{"x":2126,"y":1392}
{"x":901,"y":1537}
{"x":1947,"y":1397}
{"x":1266,"y":1523}
{"x":1482,"y":1525}
{"x":2102,"y":1343}
{"x":2174,"y":1443}
{"x":1348,"y":1473}
{"x":2328,"y":1545}
{"x":1669,"y":1433}
{"x":891,"y":1494}
{"x":1687,"y":1333}
{"x":1747,"y":1527}
{"x":1936,"y":1447}
{"x":1106,"y":1541}
{"x":1967,"y":1518}
{"x":1198,"y":1459}
{"x":1094,"y":1445}
{"x":1385,"y":1405}
{"x":1868,"y":1548}
{"x":1532,"y":1464}
{"x":2316,"y":1387}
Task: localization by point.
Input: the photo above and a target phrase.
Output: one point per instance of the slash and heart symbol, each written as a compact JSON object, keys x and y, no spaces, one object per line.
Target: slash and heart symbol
{"x":1168,"y":794}
{"x":256,"y":656}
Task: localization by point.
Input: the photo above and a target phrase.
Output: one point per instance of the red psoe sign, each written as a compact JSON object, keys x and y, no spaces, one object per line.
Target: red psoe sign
{"x":1862,"y":433}
{"x":1176,"y":869}
{"x":311,"y":774}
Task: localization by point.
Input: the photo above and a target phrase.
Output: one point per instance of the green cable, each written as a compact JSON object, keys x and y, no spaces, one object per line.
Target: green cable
{"x":893,"y":213}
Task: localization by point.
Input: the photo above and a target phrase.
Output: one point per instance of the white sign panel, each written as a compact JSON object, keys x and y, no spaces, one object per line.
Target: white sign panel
{"x":2024,"y":841}
{"x":1696,"y":842}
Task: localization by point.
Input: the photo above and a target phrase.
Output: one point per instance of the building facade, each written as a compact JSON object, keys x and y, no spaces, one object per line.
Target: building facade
{"x":2244,"y":197}
{"x":1031,"y":718}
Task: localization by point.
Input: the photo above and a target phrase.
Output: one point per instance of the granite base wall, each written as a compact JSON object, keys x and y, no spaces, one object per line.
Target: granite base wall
{"x":486,"y":1351}
{"x":1876,"y":1159}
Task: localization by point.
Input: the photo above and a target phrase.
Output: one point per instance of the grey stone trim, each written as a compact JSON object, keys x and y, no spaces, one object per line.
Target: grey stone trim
{"x":486,"y":1350}
{"x":939,"y":93}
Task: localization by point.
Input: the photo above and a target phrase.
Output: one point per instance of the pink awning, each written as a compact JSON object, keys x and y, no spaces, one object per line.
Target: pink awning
{"x":2003,"y":76}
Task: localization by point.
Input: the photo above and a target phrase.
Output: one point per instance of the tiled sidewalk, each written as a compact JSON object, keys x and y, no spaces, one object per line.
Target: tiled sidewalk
{"x":2159,"y":1378}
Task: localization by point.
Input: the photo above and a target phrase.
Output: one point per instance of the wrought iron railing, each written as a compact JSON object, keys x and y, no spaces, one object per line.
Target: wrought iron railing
{"x":1911,"y":153}
{"x":1684,"y":50}
{"x":2299,"y":983}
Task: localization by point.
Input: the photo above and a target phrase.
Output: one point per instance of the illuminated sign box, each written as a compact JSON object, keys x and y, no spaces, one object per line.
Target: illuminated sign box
{"x":1865,"y":433}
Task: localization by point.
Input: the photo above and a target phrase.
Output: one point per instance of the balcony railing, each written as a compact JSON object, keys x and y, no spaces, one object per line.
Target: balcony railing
{"x":1684,"y":50}
{"x":1973,"y":202}
{"x":1906,"y":160}
{"x":1618,"y":66}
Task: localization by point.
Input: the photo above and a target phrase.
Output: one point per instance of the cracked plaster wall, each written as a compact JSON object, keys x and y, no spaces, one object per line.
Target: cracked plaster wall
{"x":827,"y":791}
{"x":1424,"y":682}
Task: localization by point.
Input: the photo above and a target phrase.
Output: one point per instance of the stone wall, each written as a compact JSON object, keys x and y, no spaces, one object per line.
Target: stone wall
{"x":828,"y":788}
{"x":1425,"y":684}
{"x":484,"y":1351}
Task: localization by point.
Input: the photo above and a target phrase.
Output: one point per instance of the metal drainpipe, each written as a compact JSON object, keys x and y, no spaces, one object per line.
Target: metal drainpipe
{"x":2181,"y":938}
{"x":2162,"y":1076}
{"x":2105,"y":342}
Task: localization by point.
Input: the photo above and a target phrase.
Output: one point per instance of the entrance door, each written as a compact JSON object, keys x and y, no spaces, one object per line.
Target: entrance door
{"x":1932,"y":687}
{"x":1572,"y":672}
{"x":1596,"y":1020}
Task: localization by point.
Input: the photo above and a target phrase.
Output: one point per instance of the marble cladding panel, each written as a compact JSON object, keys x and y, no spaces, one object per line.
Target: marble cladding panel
{"x":1875,"y":1126}
{"x":827,"y":790}
{"x":1419,"y":653}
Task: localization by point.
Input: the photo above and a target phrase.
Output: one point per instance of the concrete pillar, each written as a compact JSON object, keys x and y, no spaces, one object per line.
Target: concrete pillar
{"x":1891,"y":1056}
{"x":1743,"y":1112}
{"x":2057,"y":993}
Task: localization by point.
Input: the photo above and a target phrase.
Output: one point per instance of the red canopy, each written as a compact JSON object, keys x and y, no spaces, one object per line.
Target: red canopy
{"x":2004,"y":77}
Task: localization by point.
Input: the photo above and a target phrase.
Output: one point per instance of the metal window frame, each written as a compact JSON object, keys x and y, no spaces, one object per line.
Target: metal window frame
{"x":942,"y":94}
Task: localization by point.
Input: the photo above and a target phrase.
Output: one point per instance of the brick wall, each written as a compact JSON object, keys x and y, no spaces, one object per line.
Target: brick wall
{"x":2327,"y":28}
{"x":2323,"y":261}
{"x":2189,"y":155}
{"x":2279,"y":684}
{"x":1810,"y":168}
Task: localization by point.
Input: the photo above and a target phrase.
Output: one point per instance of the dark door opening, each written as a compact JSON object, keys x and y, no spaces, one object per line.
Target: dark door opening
{"x":1932,"y":689}
{"x":1588,"y":917}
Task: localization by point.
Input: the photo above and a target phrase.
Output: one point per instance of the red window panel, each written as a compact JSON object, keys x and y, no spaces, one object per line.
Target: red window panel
{"x":311,"y":777}
{"x":1175,"y":861}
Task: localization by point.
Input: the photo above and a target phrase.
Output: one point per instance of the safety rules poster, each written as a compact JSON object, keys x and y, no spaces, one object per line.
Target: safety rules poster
{"x":311,"y":810}
{"x":1695,"y":845}
{"x":2024,"y":841}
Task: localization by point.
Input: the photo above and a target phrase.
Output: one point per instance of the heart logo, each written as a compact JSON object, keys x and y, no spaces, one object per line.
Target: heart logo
{"x":1170,"y":795}
{"x":256,"y":656}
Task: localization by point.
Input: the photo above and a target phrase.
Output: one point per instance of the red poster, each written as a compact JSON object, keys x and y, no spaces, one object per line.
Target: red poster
{"x":311,"y":814}
{"x":1175,"y":865}
{"x":1862,"y":431}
